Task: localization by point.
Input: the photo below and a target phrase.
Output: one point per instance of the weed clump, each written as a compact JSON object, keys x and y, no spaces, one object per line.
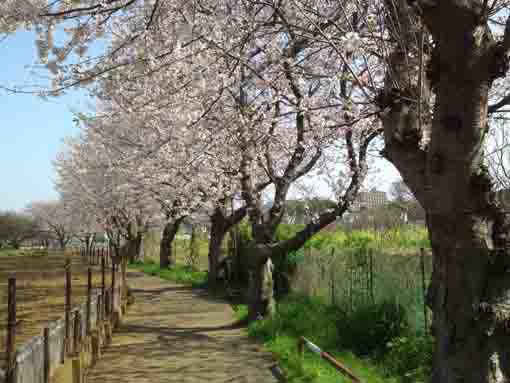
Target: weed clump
{"x":368,"y":330}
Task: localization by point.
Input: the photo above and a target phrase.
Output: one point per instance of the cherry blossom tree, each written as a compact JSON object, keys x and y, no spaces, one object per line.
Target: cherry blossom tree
{"x":264,"y":92}
{"x":89,"y":180}
{"x":290,"y":78}
{"x":56,"y":218}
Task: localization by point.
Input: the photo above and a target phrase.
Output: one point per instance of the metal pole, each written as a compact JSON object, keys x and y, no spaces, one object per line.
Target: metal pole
{"x":303,"y":342}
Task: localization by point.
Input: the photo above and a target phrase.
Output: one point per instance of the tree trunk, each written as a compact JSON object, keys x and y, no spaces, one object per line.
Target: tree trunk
{"x":193,"y":247}
{"x":469,"y":295}
{"x":139,"y":253}
{"x":217,"y":233}
{"x":214,"y":255}
{"x":166,"y":255}
{"x":261,"y":285}
{"x":235,"y":240}
{"x":261,"y":291}
{"x":134,"y":247}
{"x":220,"y":225}
{"x":440,"y":157}
{"x":87,"y":247}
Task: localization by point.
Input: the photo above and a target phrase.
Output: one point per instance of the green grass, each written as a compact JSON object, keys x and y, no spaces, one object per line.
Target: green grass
{"x":300,"y":316}
{"x":178,"y":273}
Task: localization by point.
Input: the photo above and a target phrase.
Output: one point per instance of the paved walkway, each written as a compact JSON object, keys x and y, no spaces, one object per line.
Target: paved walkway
{"x":175,"y":334}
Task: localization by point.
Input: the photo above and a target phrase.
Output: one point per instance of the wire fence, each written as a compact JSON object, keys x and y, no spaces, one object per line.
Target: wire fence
{"x":351,"y":278}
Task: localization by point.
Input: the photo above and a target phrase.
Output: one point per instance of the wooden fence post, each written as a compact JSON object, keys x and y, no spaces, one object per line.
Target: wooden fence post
{"x":99,"y":309}
{"x":107,"y":305}
{"x":77,"y":333}
{"x":68,"y":292}
{"x":96,"y":348}
{"x":89,"y":299}
{"x":77,"y":370}
{"x":47,"y":371}
{"x":11,"y":329}
{"x":107,"y":322}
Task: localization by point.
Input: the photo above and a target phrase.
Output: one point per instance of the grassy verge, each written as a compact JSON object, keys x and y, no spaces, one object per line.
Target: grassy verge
{"x":178,"y":273}
{"x":300,"y":316}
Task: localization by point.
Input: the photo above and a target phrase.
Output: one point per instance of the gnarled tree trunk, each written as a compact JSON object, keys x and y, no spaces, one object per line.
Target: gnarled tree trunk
{"x":220,"y":225}
{"x":217,"y":232}
{"x":166,"y":255}
{"x":469,"y":295}
{"x":139,"y":253}
{"x":134,"y":246}
{"x":261,"y":286}
{"x":470,"y":289}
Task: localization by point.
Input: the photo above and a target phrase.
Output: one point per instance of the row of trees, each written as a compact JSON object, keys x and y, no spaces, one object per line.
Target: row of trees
{"x":17,"y":228}
{"x":45,"y":223}
{"x":202,"y":101}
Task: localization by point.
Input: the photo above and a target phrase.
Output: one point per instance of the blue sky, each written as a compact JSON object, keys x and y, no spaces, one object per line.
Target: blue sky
{"x":31,"y":130}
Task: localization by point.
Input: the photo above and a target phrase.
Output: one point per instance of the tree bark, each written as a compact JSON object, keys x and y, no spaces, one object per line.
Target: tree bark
{"x":217,"y":233}
{"x":469,"y":295}
{"x":139,"y":255}
{"x":87,"y":247}
{"x":62,"y":242}
{"x":166,"y":255}
{"x":220,"y":225}
{"x":134,"y":247}
{"x":261,"y":289}
{"x":193,"y":247}
{"x":470,"y":290}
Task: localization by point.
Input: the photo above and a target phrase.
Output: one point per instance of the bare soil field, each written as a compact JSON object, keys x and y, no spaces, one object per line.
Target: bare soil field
{"x":40,"y":285}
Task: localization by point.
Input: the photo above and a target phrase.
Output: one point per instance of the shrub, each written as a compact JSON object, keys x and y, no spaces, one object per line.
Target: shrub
{"x":368,"y":330}
{"x":410,"y":357}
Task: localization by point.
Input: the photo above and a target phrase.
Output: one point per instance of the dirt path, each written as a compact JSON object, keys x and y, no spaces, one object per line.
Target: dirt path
{"x":175,"y":334}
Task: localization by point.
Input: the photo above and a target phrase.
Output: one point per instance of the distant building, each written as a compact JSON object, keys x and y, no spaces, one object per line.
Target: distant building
{"x":369,"y":200}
